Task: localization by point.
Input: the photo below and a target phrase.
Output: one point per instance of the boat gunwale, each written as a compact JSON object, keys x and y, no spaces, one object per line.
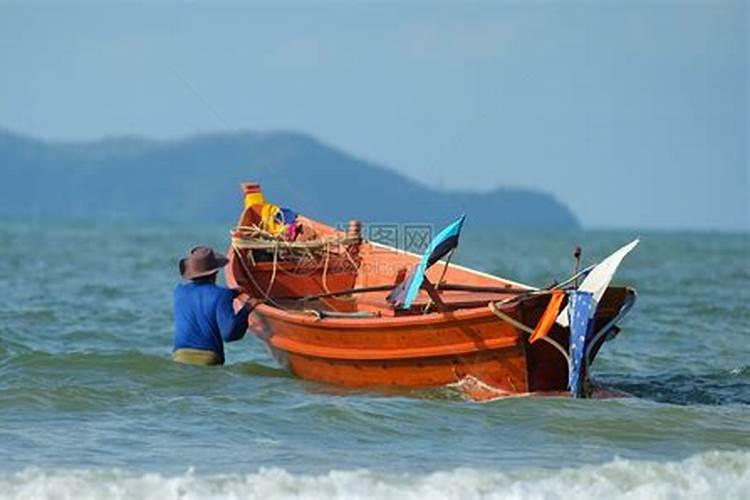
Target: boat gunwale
{"x":441,"y":318}
{"x":455,"y":266}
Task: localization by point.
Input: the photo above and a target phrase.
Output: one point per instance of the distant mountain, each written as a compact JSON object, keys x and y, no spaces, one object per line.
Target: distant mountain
{"x":197,"y":179}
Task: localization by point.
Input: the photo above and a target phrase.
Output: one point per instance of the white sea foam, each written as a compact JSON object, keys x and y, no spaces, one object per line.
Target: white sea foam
{"x":709,"y":475}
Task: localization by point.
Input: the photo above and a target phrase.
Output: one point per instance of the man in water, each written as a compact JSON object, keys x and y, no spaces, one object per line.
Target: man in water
{"x":204,"y":313}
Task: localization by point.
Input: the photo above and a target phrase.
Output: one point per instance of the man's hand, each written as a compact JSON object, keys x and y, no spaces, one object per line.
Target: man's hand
{"x":242,"y":299}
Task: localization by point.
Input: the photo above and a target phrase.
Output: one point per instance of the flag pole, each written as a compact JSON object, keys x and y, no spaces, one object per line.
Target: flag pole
{"x":439,"y":281}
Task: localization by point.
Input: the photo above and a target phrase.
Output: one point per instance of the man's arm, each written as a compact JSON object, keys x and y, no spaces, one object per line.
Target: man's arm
{"x":231,"y":326}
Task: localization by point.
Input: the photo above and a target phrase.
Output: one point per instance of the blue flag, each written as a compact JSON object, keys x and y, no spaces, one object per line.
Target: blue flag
{"x":404,"y":293}
{"x":580,"y":313}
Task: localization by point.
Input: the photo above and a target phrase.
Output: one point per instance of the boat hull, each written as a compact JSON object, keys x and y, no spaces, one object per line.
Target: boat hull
{"x":425,"y":351}
{"x":393,"y":353}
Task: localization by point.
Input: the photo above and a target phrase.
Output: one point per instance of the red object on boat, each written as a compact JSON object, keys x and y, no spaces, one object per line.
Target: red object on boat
{"x":325,"y":315}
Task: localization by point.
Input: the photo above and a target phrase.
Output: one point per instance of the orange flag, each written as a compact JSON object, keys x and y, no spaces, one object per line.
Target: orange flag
{"x":549,"y":316}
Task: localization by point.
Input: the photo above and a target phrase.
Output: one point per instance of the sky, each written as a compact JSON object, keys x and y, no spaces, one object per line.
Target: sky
{"x":634,"y":114}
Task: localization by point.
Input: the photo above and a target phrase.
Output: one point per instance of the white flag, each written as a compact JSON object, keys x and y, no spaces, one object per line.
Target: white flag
{"x":598,"y":279}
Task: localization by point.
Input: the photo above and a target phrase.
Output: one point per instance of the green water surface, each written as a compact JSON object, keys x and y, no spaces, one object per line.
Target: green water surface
{"x":86,"y":380}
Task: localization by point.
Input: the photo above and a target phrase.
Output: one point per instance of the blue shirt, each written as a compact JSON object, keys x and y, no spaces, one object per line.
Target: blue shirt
{"x":204,"y":317}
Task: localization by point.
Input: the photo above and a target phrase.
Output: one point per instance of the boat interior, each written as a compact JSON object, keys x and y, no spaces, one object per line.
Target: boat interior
{"x":339,"y":274}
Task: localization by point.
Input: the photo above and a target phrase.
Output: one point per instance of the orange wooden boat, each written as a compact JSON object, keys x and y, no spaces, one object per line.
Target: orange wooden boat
{"x":323,"y":311}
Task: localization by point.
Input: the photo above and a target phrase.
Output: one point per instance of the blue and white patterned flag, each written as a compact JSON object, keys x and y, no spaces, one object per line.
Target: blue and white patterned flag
{"x":581,"y":307}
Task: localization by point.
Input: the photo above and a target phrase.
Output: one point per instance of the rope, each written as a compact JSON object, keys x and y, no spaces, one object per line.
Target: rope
{"x":255,"y":238}
{"x":349,"y":257}
{"x":324,"y":278}
{"x":273,"y":272}
{"x":493,"y":307}
{"x":508,"y":319}
{"x":523,"y":296}
{"x":249,"y":275}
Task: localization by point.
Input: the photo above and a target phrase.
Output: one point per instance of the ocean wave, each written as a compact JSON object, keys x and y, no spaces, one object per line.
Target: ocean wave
{"x":708,"y":475}
{"x":708,"y":387}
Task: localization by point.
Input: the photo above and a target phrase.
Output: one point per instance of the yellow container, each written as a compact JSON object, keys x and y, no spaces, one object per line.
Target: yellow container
{"x":253,"y":194}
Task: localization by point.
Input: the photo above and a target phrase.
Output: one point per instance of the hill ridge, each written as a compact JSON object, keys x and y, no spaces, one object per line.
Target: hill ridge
{"x":196,"y":178}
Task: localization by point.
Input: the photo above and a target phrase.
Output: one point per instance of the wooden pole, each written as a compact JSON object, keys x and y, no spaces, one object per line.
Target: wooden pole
{"x":445,"y":287}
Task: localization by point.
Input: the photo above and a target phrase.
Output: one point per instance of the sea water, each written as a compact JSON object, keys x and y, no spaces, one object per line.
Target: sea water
{"x":91,"y":406}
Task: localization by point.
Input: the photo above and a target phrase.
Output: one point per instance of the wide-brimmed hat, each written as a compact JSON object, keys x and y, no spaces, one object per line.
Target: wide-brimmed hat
{"x":202,"y":261}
